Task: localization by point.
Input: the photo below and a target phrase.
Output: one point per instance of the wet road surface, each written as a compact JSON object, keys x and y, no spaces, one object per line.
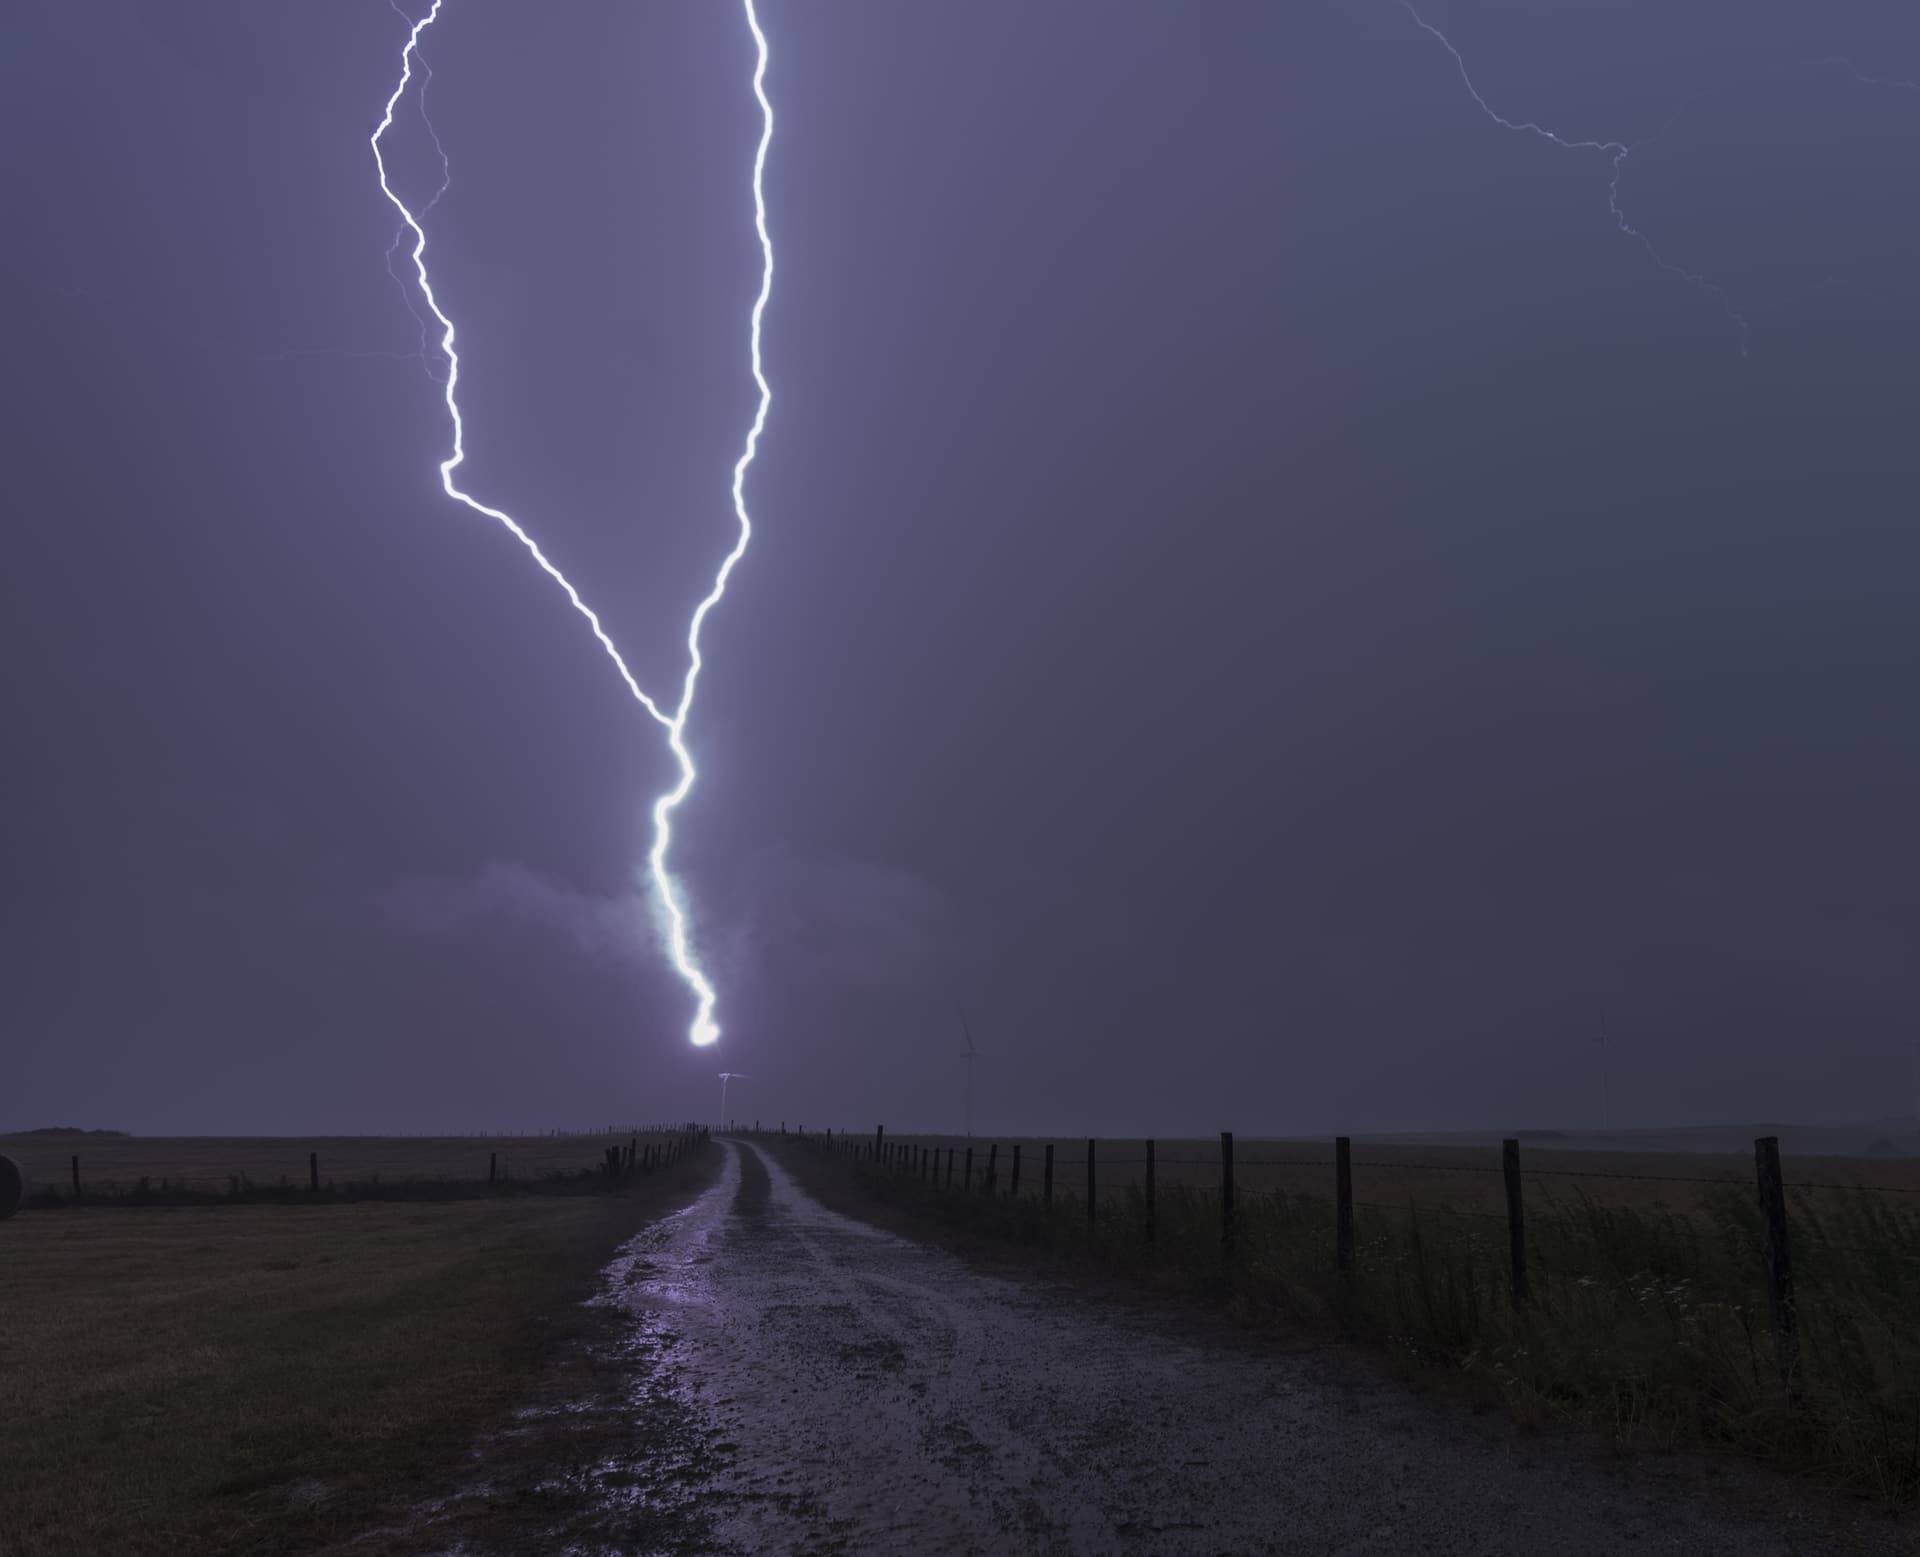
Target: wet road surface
{"x":836,"y":1388}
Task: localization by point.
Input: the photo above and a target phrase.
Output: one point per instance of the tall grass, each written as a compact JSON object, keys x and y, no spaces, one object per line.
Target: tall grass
{"x":1649,"y":1321}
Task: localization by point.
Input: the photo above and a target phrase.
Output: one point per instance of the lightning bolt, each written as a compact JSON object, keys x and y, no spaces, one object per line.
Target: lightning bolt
{"x":452,"y":386}
{"x":446,"y":179}
{"x":1617,"y":152}
{"x":704,"y":1030}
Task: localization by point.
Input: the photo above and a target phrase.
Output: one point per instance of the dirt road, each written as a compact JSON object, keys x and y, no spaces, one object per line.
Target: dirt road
{"x":814,"y":1385}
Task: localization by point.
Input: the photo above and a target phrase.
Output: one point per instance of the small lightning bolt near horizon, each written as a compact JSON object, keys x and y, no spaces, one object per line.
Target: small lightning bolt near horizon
{"x":1617,"y":152}
{"x":704,"y":1029}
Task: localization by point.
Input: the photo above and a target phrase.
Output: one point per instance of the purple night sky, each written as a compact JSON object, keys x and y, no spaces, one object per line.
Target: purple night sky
{"x":1262,"y":595}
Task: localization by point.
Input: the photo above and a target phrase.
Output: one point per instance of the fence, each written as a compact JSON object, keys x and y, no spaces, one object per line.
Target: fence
{"x":1716,"y":1293}
{"x":132,"y":1170}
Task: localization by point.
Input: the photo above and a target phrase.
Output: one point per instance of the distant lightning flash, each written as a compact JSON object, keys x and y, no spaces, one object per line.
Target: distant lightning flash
{"x":704,"y":1030}
{"x":1617,"y":152}
{"x":1892,"y":83}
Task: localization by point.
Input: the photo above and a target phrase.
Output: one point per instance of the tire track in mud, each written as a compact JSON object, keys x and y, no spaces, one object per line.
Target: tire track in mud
{"x":851,"y":1391}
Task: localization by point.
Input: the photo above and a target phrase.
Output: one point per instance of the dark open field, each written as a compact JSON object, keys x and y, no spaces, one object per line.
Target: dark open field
{"x":115,"y":1164}
{"x":269,"y":1378}
{"x":1649,"y":1311}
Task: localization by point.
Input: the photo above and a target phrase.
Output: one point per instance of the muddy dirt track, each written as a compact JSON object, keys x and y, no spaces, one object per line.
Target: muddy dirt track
{"x":810,"y":1384}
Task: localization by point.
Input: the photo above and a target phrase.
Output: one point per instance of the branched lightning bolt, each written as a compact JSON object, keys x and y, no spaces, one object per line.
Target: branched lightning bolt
{"x":446,"y":180}
{"x":458,"y":457}
{"x":1617,"y":152}
{"x":704,"y":1029}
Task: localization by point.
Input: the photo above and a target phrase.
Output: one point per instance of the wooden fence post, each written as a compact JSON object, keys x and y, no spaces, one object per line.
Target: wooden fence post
{"x":493,"y":1163}
{"x":1090,"y":1183}
{"x":1516,"y":1224}
{"x":993,"y":1168}
{"x":1151,"y":1230}
{"x":313,"y":1172}
{"x":76,"y":1178}
{"x":1046,"y":1184}
{"x":1013,"y":1179}
{"x":1342,"y":1203}
{"x":949,"y":1167}
{"x":1226,"y":1194}
{"x":966,"y":1179}
{"x":1773,"y":1205}
{"x":879,"y":1140}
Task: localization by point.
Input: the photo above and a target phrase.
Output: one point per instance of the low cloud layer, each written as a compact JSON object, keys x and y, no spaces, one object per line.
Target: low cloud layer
{"x":507,"y":894}
{"x":834,"y":921}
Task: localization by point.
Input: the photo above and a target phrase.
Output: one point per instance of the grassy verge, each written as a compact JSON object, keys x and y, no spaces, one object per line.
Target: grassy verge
{"x":271,"y":1378}
{"x":1647,"y":1322}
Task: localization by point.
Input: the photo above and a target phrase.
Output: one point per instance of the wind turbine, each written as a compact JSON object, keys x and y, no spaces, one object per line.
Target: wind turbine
{"x":725,"y":1077}
{"x":968,"y":1031}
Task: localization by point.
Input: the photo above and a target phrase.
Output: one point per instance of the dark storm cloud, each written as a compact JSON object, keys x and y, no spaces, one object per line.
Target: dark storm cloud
{"x":1262,"y":595}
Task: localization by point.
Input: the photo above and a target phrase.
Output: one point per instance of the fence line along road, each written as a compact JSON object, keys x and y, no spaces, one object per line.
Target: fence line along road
{"x":930,"y":1165}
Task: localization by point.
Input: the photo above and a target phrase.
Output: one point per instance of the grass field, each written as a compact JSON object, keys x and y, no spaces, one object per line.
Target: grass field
{"x":1649,"y":1314}
{"x":116,"y":1164}
{"x":263,"y":1379}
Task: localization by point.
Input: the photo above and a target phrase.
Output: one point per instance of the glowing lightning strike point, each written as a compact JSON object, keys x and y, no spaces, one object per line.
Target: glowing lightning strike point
{"x":704,"y":1030}
{"x":1618,"y":152}
{"x":458,"y":457}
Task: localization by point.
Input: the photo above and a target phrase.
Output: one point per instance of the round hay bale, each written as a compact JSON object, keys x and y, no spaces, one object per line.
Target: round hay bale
{"x":13,"y":1187}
